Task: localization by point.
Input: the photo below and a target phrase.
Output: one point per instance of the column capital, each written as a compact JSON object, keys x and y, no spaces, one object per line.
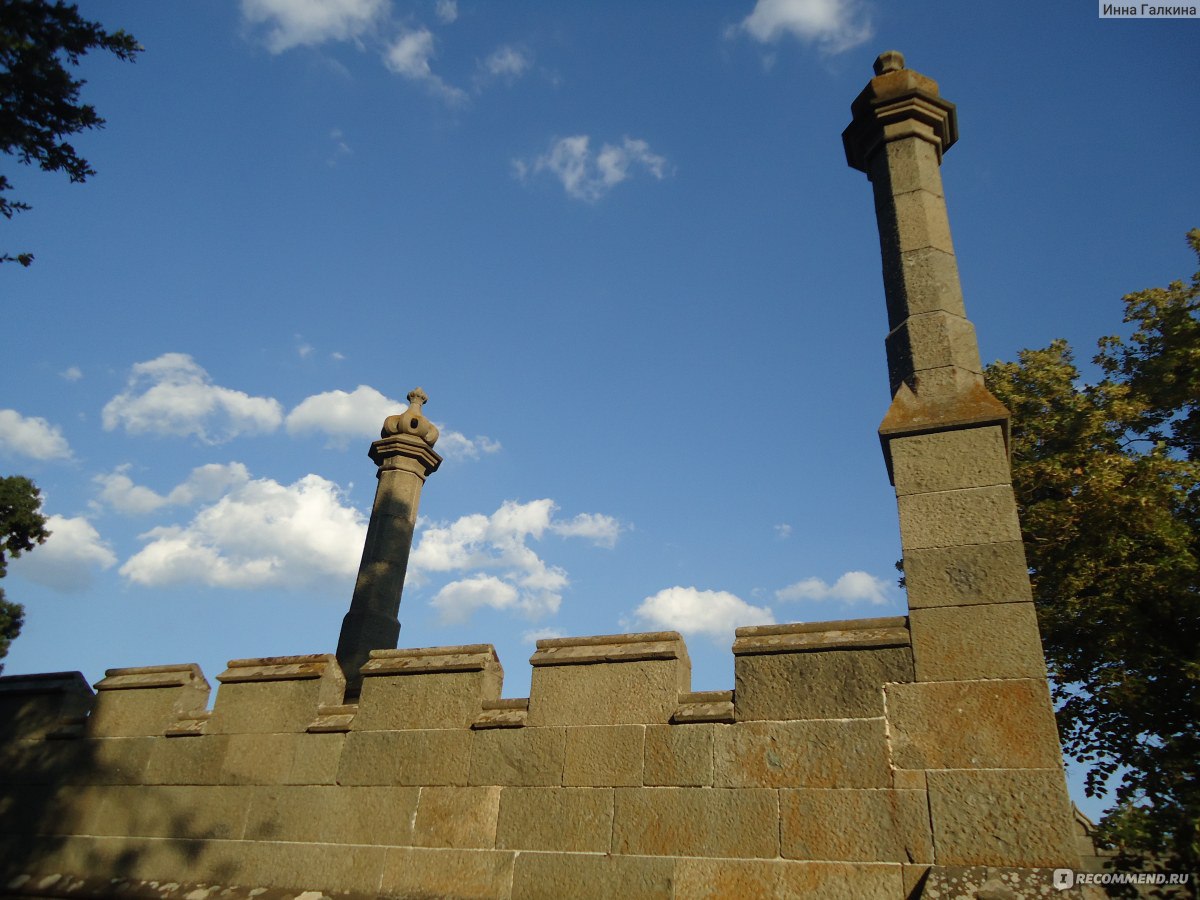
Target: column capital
{"x":897,"y":103}
{"x":397,"y":450}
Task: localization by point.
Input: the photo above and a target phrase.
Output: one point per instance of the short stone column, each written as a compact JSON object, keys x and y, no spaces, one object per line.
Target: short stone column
{"x":405,"y":457}
{"x":977,"y":719}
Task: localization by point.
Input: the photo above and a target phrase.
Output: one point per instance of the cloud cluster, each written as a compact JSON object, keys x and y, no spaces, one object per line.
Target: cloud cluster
{"x":832,"y":25}
{"x":296,"y":23}
{"x":259,"y":534}
{"x":500,"y":570}
{"x":588,"y":176}
{"x":408,"y":56}
{"x":853,"y":587}
{"x":695,"y":612}
{"x":70,"y":557}
{"x":205,"y":483}
{"x":173,"y":395}
{"x":31,"y":436}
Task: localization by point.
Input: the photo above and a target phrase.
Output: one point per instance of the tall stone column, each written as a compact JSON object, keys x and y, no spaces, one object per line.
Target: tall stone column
{"x":978,"y":720}
{"x":405,"y":457}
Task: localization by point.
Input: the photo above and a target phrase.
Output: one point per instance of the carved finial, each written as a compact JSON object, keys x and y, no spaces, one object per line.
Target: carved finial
{"x":412,"y":420}
{"x":889,"y":61}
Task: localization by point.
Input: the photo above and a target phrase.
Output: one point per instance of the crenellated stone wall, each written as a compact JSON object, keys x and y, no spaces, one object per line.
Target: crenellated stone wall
{"x":611,"y":778}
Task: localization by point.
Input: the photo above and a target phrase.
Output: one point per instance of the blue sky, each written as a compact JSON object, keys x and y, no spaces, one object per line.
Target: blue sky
{"x":617,"y":244}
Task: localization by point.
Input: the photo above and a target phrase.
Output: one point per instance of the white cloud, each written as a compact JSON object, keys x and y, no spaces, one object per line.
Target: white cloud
{"x":204,"y":484}
{"x":833,"y":25}
{"x":72,"y":373}
{"x":31,"y":436}
{"x":600,"y":529}
{"x":360,"y":414}
{"x":446,"y":10}
{"x":507,"y":62}
{"x":69,"y":559}
{"x":409,"y":57}
{"x":478,"y":545}
{"x":260,"y":534}
{"x":341,"y":150}
{"x":295,"y":23}
{"x":693,"y":611}
{"x":783,"y":531}
{"x":853,"y":587}
{"x":173,"y":395}
{"x":537,"y":634}
{"x":587,"y":176}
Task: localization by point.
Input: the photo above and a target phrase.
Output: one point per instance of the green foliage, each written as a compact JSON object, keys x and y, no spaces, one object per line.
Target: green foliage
{"x":22,"y":526}
{"x":39,"y":100}
{"x":1107,"y":477}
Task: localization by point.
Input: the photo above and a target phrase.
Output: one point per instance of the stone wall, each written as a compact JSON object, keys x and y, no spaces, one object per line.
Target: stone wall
{"x":819,"y":775}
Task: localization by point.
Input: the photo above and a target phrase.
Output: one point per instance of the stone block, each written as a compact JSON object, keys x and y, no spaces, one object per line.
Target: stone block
{"x":970,"y":516}
{"x":111,"y":760}
{"x":328,"y":868}
{"x":679,"y":755}
{"x":817,"y":685}
{"x":733,"y":879}
{"x":670,"y":821}
{"x":45,"y":809}
{"x":436,"y":687}
{"x":583,"y":876}
{"x":40,"y":761}
{"x":257,"y":758}
{"x":425,"y":757}
{"x":604,"y":756}
{"x":292,"y":813}
{"x":315,"y":758}
{"x":950,"y":460}
{"x":381,"y":816}
{"x":973,"y":725}
{"x":704,"y":706}
{"x":147,"y":701}
{"x":462,"y":817}
{"x":929,"y":342}
{"x":1003,"y":882}
{"x":828,"y":753}
{"x":183,"y":812}
{"x":518,"y":756}
{"x":913,"y":166}
{"x":566,"y":819}
{"x":960,"y":643}
{"x":628,"y":679}
{"x":855,"y":825}
{"x":1002,"y":818}
{"x":466,"y":874}
{"x":921,"y":281}
{"x":185,"y":760}
{"x":960,"y":576}
{"x":921,"y":222}
{"x":275,"y":694}
{"x":31,"y":705}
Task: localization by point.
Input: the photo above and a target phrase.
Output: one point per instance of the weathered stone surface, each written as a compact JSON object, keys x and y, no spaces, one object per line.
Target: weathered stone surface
{"x":842,"y":634}
{"x":930,"y":342}
{"x":970,"y":516}
{"x":973,"y":725}
{"x":913,"y":166}
{"x":908,"y":779}
{"x":730,"y":879}
{"x":275,"y":694}
{"x":996,"y":883}
{"x":426,"y":757}
{"x":671,"y":821}
{"x":922,"y":281}
{"x":1002,"y":818}
{"x":959,"y":643}
{"x":817,"y":685}
{"x":257,"y":758}
{"x":855,"y":825}
{"x":39,"y":761}
{"x":581,"y":876}
{"x":168,"y":811}
{"x":679,"y":756}
{"x":106,"y":760}
{"x":608,"y":680}
{"x":315,"y":758}
{"x":566,"y":819}
{"x":462,"y":817}
{"x":950,"y":460}
{"x":704,"y":706}
{"x":438,"y":687}
{"x":604,"y":756}
{"x":305,"y":866}
{"x":518,"y":756}
{"x":918,"y":223}
{"x":959,"y":576}
{"x":334,"y":815}
{"x":467,"y":874}
{"x":819,"y":754}
{"x":147,"y":700}
{"x":190,"y":760}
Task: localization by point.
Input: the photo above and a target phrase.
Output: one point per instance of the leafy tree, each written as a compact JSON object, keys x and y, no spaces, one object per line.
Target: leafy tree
{"x":22,"y":525}
{"x":1107,"y":477}
{"x":39,"y":100}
